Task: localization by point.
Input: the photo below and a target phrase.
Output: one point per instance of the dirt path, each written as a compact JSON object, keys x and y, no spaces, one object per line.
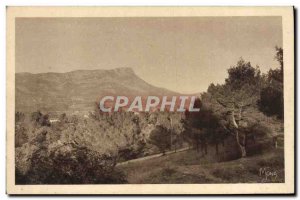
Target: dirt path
{"x":152,"y":156}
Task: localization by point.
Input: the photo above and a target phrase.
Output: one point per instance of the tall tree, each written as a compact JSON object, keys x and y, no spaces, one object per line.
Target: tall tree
{"x":241,"y":90}
{"x":271,"y":97}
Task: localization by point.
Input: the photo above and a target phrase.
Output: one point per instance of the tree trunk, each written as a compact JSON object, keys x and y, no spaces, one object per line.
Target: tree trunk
{"x":217,"y":148}
{"x":203,"y":147}
{"x":275,"y":142}
{"x":241,"y":145}
{"x":175,"y":147}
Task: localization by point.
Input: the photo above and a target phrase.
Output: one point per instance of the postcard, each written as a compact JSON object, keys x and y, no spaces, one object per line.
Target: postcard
{"x":150,"y":100}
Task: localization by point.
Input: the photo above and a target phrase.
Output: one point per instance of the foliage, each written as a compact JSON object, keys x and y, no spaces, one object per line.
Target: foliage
{"x":71,"y":164}
{"x":242,"y":74}
{"x":204,"y":126}
{"x":65,"y":155}
{"x":21,"y":136}
{"x":41,"y":145}
{"x":40,"y":119}
{"x":19,"y":116}
{"x":240,"y":101}
{"x":78,"y":149}
{"x":271,"y":101}
{"x":161,"y":137}
{"x":271,"y":97}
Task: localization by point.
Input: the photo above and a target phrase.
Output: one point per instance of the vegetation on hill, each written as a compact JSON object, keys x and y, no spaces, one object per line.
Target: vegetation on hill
{"x":241,"y":118}
{"x":190,"y":167}
{"x":78,"y":90}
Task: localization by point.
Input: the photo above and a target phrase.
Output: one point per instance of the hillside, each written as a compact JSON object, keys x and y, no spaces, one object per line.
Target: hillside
{"x":190,"y":167}
{"x":78,"y":90}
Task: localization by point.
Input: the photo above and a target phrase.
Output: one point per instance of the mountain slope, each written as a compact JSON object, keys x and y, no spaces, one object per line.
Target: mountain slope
{"x":78,"y":90}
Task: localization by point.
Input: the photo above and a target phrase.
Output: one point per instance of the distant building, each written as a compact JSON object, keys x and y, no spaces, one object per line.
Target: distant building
{"x":54,"y":120}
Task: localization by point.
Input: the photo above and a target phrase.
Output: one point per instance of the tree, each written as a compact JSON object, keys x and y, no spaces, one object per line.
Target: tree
{"x":241,"y":74}
{"x":279,"y":57}
{"x":241,"y":90}
{"x":271,"y":97}
{"x":203,"y":127}
{"x":48,"y":158}
{"x":70,"y":164}
{"x":21,"y":136}
{"x":19,"y":116}
{"x":160,"y":137}
{"x":271,"y":101}
{"x":199,"y":126}
{"x":40,"y":118}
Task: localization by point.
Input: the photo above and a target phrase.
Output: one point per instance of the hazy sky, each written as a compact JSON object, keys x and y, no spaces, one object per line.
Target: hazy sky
{"x":180,"y":54}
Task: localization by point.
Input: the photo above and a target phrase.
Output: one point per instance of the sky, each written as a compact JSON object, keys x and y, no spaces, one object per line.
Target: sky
{"x":183,"y":54}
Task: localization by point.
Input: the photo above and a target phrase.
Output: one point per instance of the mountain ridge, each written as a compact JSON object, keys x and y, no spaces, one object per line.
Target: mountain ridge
{"x":78,"y":90}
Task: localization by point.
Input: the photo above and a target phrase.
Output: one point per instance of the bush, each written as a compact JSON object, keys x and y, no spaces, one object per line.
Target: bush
{"x":19,"y":116}
{"x":21,"y":136}
{"x":68,"y":164}
{"x":131,"y":152}
{"x":260,"y":130}
{"x":271,"y":101}
{"x":40,"y":119}
{"x":161,"y":137}
{"x":241,"y":74}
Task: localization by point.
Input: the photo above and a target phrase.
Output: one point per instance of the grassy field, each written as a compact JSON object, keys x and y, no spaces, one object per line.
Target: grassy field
{"x":190,"y":167}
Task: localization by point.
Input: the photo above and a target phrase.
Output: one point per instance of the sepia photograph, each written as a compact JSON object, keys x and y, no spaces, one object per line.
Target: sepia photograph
{"x":144,"y":100}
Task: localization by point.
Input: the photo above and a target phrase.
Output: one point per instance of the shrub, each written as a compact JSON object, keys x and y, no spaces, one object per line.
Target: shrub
{"x":21,"y":136}
{"x":161,"y":138}
{"x":271,"y":101}
{"x":68,"y":164}
{"x":40,"y":119}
